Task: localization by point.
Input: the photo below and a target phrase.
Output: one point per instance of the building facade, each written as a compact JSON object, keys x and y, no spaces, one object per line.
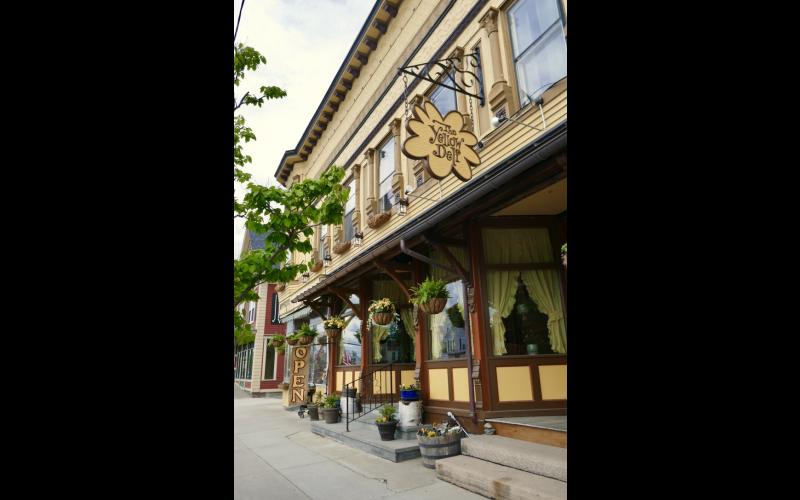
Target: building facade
{"x":450,"y":120}
{"x":258,"y":366}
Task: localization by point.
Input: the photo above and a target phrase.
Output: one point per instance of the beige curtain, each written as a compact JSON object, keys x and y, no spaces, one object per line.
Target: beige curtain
{"x":407,"y":315}
{"x":379,"y":332}
{"x":525,"y":245}
{"x":500,"y":289}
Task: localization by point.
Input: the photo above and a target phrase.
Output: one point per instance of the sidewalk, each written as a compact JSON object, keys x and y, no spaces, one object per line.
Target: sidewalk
{"x":276,"y":457}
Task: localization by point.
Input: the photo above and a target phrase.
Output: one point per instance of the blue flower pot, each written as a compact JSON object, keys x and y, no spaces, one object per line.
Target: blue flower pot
{"x":409,"y":395}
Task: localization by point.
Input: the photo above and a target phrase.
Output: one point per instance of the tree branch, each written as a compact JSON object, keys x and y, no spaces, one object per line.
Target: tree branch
{"x":237,"y":106}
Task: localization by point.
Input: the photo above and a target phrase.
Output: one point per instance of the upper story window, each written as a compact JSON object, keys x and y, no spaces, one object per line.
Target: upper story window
{"x":349,"y":209}
{"x":251,"y":313}
{"x":323,"y":242}
{"x":386,"y":161}
{"x":443,"y":98}
{"x":276,"y":318}
{"x":540,"y":49}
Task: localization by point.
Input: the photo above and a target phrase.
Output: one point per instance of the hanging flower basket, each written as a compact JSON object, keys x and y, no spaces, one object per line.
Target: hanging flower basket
{"x":333,"y":332}
{"x":316,"y":267}
{"x":305,"y":339}
{"x":277,"y":341}
{"x":292,"y":341}
{"x":382,"y":318}
{"x":341,"y":247}
{"x":433,"y":306}
{"x":280,"y":287}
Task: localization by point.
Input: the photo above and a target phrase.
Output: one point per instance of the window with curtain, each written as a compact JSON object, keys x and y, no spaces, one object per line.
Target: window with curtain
{"x":349,"y":209}
{"x":350,"y":340}
{"x":386,"y":161}
{"x":540,"y":49}
{"x":447,"y":336}
{"x":443,"y":98}
{"x":446,"y":333}
{"x":521,"y":299}
{"x":393,"y":343}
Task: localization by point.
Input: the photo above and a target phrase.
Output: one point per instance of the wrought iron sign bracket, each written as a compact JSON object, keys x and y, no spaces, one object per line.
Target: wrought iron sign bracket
{"x":450,"y":67}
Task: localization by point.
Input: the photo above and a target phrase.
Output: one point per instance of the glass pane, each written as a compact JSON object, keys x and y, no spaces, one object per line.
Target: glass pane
{"x":386,"y":159}
{"x":323,"y":241}
{"x":447,"y":337}
{"x":544,"y":64}
{"x":348,"y":226}
{"x":528,"y":19}
{"x":350,"y":344}
{"x":386,"y":196}
{"x":351,"y":198}
{"x":394,"y":346}
{"x":318,"y":372}
{"x":269,"y":364}
{"x":526,"y":326}
{"x":443,"y":98}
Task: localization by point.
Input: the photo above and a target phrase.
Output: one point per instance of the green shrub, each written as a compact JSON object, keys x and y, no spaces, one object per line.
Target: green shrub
{"x":429,"y":289}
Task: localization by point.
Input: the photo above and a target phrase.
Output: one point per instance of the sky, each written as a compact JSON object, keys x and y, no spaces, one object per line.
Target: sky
{"x":305,"y":42}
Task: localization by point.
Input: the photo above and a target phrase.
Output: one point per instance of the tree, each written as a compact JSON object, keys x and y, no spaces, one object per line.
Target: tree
{"x":287,"y":216}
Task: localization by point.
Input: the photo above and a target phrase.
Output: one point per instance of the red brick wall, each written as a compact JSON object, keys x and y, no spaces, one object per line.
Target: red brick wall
{"x":269,"y":328}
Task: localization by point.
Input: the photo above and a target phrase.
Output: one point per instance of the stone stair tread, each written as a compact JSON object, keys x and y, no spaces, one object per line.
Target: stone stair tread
{"x":540,"y":459}
{"x":498,"y":481}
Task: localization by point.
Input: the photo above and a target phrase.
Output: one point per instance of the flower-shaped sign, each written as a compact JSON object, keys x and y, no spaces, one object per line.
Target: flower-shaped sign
{"x":444,"y":144}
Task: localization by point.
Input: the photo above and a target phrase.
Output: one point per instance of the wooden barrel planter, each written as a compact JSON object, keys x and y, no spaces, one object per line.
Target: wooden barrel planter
{"x":434,"y":448}
{"x":382,"y":318}
{"x":434,"y":306}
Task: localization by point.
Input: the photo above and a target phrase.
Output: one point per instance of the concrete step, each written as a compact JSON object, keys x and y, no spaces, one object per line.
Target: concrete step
{"x":368,"y":439}
{"x":497,"y":481}
{"x":548,"y":461}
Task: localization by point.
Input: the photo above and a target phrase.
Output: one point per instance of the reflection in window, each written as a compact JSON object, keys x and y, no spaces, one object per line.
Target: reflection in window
{"x":443,"y":98}
{"x":350,"y":342}
{"x":447,"y":335}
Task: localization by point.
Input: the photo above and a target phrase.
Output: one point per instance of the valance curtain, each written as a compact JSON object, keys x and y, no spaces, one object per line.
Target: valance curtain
{"x":522,"y":246}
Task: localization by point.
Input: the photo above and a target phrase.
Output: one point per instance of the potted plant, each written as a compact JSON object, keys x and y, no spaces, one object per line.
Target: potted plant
{"x":431,"y":295}
{"x":277,"y":341}
{"x":386,"y":423}
{"x":333,"y":326}
{"x":305,"y":334}
{"x":316,"y":265}
{"x":409,"y":392}
{"x":292,"y":339}
{"x":330,"y":409}
{"x":564,"y":254}
{"x":313,"y":408}
{"x":280,"y":287}
{"x":381,"y":312}
{"x":438,"y":441}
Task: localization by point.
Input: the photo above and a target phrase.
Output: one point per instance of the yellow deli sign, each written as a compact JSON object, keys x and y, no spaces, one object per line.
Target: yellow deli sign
{"x":443,"y":144}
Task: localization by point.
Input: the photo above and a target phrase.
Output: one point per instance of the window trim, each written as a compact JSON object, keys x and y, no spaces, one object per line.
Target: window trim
{"x":377,"y":168}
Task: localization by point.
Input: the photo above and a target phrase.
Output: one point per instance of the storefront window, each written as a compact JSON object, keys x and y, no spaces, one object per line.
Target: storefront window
{"x":447,"y":336}
{"x":521,"y":297}
{"x":392,"y":344}
{"x":350,"y":342}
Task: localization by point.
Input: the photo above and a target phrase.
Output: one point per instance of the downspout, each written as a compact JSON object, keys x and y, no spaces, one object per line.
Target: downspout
{"x":467,"y":332}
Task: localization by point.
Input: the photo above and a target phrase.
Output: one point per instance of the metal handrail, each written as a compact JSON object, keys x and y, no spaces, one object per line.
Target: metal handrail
{"x":370,"y":398}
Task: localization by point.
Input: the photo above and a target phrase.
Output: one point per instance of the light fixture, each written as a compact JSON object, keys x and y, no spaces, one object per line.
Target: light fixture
{"x":403,"y":206}
{"x":306,"y":275}
{"x":327,"y":259}
{"x":357,"y":239}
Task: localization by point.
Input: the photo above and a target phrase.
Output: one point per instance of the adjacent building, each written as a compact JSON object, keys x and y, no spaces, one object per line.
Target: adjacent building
{"x":258,"y":368}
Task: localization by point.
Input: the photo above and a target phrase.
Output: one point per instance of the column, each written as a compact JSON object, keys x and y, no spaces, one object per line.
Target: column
{"x":398,"y":178}
{"x":500,"y":93}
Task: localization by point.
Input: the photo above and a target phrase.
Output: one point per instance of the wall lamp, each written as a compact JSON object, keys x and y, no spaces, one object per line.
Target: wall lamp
{"x":357,"y":238}
{"x":327,"y":260}
{"x":497,"y":120}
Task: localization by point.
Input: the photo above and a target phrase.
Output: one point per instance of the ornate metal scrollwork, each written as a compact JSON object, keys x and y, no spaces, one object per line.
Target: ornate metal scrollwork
{"x":432,"y":71}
